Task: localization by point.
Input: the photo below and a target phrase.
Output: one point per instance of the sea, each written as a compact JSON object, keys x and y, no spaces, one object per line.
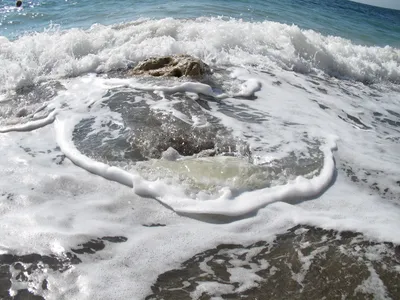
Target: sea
{"x":276,"y":176}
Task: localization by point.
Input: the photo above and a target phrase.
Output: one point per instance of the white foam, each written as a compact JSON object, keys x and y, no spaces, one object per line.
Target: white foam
{"x":56,"y":207}
{"x":306,"y":261}
{"x":246,"y":278}
{"x":373,"y":285}
{"x":32,"y":125}
{"x":212,"y":288}
{"x":191,"y":87}
{"x":57,"y":54}
{"x":249,"y":88}
{"x":64,"y":141}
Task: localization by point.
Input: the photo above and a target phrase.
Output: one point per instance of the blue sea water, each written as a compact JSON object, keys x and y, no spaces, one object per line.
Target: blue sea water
{"x":360,"y":23}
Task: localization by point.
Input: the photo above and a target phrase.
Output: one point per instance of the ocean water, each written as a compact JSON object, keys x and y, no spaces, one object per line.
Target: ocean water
{"x":298,"y":125}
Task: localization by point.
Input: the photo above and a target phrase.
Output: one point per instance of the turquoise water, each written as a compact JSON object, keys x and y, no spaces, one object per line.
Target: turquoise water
{"x":360,"y":23}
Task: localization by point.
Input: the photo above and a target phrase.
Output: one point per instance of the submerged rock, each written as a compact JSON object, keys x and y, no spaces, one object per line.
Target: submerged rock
{"x":16,"y":273}
{"x":23,"y":112}
{"x":28,"y":276}
{"x":209,"y":173}
{"x":185,"y":141}
{"x":174,"y":66}
{"x":28,"y":102}
{"x":184,"y":127}
{"x":170,"y":154}
{"x":304,"y":263}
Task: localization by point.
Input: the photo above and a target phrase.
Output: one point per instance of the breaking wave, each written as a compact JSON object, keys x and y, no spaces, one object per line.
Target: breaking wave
{"x":220,"y":42}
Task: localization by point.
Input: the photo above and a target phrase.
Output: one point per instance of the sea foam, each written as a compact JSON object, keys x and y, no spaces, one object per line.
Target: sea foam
{"x":69,"y":53}
{"x":62,"y":198}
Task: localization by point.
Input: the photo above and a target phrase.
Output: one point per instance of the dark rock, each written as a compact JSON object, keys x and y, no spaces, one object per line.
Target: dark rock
{"x":152,"y":132}
{"x":299,"y":86}
{"x":114,"y":239}
{"x":59,"y":159}
{"x":21,"y":267}
{"x":391,"y":122}
{"x":397,"y":252}
{"x":175,"y":66}
{"x":304,"y":263}
{"x":324,"y":107}
{"x":154,"y":225}
{"x":322,"y":90}
{"x":313,"y":82}
{"x":26,"y":295}
{"x":23,"y":112}
{"x":185,"y":145}
{"x":393,"y":113}
{"x":44,"y":285}
{"x":95,"y":245}
{"x":20,"y":106}
{"x":155,"y":134}
{"x":357,"y":122}
{"x":90,"y":247}
{"x":24,"y":266}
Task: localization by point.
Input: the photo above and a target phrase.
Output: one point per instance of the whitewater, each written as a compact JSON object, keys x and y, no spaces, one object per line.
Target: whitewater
{"x":293,"y":136}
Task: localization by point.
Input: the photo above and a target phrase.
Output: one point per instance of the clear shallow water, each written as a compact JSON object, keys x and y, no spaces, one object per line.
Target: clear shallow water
{"x":304,"y":127}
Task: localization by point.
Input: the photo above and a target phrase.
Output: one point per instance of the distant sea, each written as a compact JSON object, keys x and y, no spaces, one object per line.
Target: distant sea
{"x":360,"y":23}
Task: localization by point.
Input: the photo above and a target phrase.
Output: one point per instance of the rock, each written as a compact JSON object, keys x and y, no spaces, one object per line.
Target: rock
{"x":303,"y":263}
{"x":153,"y":131}
{"x":170,"y":154}
{"x":29,"y":274}
{"x":23,"y":112}
{"x":207,"y":153}
{"x":185,"y":144}
{"x":175,"y":66}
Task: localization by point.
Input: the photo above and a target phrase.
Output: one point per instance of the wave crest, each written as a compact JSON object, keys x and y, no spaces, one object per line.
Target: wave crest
{"x":56,"y":54}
